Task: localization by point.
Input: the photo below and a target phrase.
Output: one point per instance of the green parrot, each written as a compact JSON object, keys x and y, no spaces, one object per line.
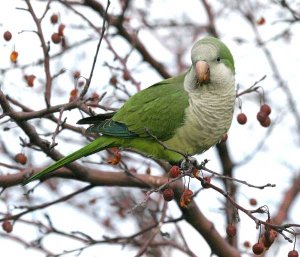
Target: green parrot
{"x":188,"y":113}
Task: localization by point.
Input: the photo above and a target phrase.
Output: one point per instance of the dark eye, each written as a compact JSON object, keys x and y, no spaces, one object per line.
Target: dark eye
{"x":218,"y":59}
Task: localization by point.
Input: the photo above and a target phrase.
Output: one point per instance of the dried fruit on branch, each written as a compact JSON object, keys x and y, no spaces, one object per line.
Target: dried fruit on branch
{"x":30,"y":80}
{"x":7,"y":226}
{"x":21,"y":158}
{"x":7,"y":35}
{"x":186,"y":198}
{"x":168,"y":194}
{"x":174,"y":172}
{"x":14,"y":56}
{"x":116,"y":158}
{"x":258,"y":248}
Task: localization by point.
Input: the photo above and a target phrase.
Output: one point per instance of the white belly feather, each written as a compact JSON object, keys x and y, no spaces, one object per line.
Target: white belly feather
{"x":208,"y":116}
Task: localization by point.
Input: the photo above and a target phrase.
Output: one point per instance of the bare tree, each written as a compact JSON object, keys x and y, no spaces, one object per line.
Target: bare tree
{"x":80,"y":58}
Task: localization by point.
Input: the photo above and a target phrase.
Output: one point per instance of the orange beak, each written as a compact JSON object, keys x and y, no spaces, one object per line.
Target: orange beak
{"x":202,"y":71}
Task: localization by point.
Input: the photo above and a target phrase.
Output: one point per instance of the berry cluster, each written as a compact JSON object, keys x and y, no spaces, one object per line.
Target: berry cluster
{"x":262,"y":116}
{"x":58,"y":37}
{"x":266,"y":239}
{"x":186,"y":196}
{"x":7,"y":35}
{"x":168,"y":193}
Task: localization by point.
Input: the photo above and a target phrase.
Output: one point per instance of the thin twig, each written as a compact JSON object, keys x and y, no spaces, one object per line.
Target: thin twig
{"x":238,"y":180}
{"x":45,"y":49}
{"x":88,"y":82}
{"x":252,"y":88}
{"x":45,"y":205}
{"x":155,"y":232}
{"x":59,"y":124}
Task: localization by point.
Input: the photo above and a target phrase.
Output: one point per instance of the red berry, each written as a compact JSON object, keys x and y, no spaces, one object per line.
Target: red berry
{"x":30,"y":80}
{"x":73,"y":95}
{"x":231,"y":230}
{"x":258,"y":248}
{"x":61,"y":29}
{"x":126,"y":75}
{"x":266,"y":123}
{"x":247,"y":244}
{"x":21,"y":158}
{"x":113,"y":80}
{"x":54,"y":18}
{"x":206,"y":182}
{"x":242,"y":118}
{"x":55,"y":38}
{"x":293,"y":253}
{"x":7,"y":35}
{"x":95,"y":97}
{"x":261,"y":21}
{"x":74,"y":92}
{"x":7,"y":226}
{"x":266,"y":109}
{"x":76,"y":74}
{"x":253,"y":201}
{"x":261,"y":116}
{"x":174,"y":172}
{"x":168,"y":194}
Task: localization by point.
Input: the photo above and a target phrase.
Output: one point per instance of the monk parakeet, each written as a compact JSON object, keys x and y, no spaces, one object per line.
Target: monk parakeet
{"x":189,"y":113}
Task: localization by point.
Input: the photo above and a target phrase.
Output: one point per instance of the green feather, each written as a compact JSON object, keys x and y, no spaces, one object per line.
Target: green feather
{"x":97,"y":118}
{"x":177,"y":111}
{"x":159,"y":108}
{"x":111,"y":128}
{"x":97,"y":145}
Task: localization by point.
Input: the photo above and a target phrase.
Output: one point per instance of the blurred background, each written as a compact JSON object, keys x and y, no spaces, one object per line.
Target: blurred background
{"x":47,"y":50}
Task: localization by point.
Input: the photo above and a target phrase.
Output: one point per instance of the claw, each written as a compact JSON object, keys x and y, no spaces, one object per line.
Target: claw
{"x":189,"y":162}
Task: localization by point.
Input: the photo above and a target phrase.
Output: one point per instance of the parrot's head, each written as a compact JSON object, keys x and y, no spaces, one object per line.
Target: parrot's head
{"x":212,"y":65}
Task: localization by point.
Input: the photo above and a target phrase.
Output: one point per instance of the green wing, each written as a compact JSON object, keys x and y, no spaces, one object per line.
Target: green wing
{"x":102,"y":123}
{"x":159,"y":108}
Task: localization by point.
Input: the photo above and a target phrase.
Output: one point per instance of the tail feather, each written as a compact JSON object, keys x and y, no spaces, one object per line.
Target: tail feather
{"x":95,"y":146}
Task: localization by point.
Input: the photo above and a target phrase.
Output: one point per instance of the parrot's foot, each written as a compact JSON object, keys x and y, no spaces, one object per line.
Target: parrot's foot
{"x":188,"y":162}
{"x":192,"y":162}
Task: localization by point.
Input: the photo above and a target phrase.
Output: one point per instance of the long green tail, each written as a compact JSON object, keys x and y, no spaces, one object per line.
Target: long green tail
{"x":95,"y":146}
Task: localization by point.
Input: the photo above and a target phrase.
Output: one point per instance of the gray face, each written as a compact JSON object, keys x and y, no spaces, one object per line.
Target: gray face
{"x":220,"y":75}
{"x":211,"y":49}
{"x":204,"y":52}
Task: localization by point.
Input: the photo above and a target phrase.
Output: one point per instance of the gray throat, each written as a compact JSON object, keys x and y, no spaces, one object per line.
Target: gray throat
{"x":209,"y":114}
